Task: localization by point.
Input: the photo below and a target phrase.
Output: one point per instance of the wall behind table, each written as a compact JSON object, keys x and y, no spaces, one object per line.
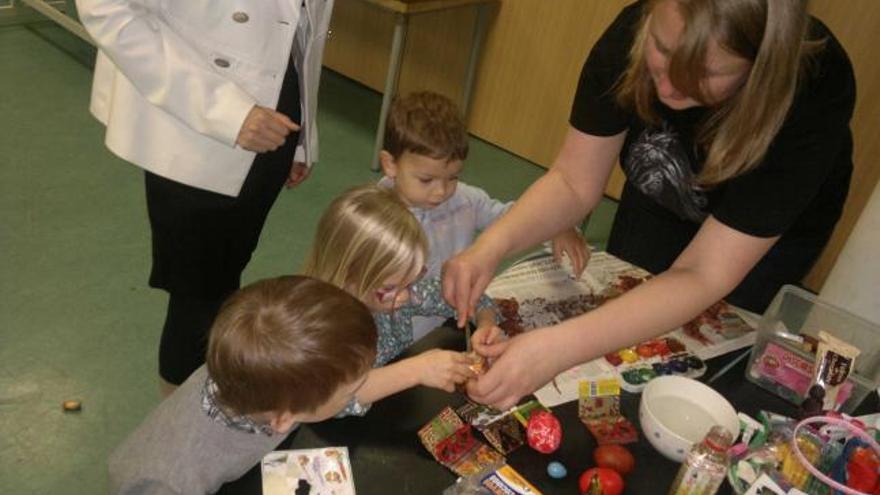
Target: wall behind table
{"x":856,"y":23}
{"x":530,"y":64}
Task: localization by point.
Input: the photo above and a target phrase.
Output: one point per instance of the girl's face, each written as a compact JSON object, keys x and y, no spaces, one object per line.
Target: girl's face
{"x":725,"y":72}
{"x":395,"y":292}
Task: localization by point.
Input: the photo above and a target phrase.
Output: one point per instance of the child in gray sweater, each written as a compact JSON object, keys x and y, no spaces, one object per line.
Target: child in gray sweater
{"x":282,"y":351}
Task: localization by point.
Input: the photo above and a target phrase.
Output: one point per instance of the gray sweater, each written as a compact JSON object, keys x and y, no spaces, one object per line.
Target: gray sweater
{"x":179,"y":449}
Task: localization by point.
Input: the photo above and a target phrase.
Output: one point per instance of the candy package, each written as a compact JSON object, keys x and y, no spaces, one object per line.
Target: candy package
{"x":599,"y":411}
{"x":450,"y":440}
{"x":498,"y":479}
{"x":501,"y":429}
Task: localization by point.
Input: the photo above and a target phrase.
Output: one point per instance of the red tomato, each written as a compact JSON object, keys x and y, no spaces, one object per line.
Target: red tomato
{"x":615,"y":457}
{"x":611,"y":481}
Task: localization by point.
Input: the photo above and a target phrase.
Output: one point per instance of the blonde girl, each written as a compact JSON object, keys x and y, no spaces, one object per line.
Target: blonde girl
{"x":730,"y":119}
{"x":369,"y":244}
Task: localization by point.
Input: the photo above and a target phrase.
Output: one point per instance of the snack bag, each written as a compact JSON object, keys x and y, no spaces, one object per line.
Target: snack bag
{"x":450,"y":440}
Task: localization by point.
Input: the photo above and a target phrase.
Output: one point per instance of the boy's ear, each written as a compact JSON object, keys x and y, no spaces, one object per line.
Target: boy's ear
{"x":282,"y":422}
{"x":389,"y":166}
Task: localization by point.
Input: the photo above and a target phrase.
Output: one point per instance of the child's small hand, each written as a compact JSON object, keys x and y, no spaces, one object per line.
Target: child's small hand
{"x":488,"y":340}
{"x":572,"y":243}
{"x":443,"y":369}
{"x":485,"y":336}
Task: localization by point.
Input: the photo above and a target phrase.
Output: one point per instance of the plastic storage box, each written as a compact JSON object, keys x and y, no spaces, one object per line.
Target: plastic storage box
{"x":783,"y":365}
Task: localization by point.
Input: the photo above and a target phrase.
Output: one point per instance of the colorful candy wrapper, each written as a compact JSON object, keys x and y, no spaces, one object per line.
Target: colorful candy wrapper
{"x":451,"y":442}
{"x":610,"y":430}
{"x":501,"y":429}
{"x":524,"y":411}
{"x":497,"y":479}
{"x":598,"y":399}
{"x":835,"y":360}
{"x":599,"y":410}
{"x":479,"y":365}
{"x":506,"y":481}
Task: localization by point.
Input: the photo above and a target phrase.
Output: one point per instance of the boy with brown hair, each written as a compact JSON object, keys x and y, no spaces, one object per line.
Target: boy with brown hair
{"x":282,"y":351}
{"x":426,"y":143}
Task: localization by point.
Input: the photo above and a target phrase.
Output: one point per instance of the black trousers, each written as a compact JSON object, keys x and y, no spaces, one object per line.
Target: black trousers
{"x":202,"y":241}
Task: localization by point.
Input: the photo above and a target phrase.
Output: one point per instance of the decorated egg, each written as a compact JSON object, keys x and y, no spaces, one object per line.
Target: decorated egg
{"x":556,"y":470}
{"x":544,"y":432}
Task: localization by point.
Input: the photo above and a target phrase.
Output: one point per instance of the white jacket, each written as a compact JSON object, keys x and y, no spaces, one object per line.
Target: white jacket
{"x":175,"y":79}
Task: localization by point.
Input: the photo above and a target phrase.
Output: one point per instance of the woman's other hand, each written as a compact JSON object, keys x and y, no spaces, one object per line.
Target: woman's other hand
{"x":264,"y":130}
{"x":521,"y":366}
{"x":465,"y":278}
{"x":299,"y":172}
{"x":572,"y":244}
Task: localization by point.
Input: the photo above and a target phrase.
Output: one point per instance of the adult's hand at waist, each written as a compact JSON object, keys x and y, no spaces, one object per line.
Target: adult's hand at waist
{"x":264,"y":130}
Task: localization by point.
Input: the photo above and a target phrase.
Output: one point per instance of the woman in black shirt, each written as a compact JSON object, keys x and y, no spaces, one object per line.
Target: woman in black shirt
{"x":730,"y":119}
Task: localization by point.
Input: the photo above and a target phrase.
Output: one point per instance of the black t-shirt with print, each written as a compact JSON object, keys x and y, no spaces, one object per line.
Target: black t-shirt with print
{"x":797,"y":191}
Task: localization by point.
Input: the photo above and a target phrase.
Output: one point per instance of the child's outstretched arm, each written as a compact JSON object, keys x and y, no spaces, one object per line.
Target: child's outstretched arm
{"x":435,"y":368}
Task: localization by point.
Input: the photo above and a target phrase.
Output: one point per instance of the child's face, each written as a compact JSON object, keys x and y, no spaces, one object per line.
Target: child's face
{"x":421,"y":181}
{"x":395,"y":292}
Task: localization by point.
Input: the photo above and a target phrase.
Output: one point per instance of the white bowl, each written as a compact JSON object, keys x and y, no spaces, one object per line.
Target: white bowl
{"x":675,"y":412}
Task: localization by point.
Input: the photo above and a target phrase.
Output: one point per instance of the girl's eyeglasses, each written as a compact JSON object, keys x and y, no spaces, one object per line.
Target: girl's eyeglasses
{"x":389,"y":294}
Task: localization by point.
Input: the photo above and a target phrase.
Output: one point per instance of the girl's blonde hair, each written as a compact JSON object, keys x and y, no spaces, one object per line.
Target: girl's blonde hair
{"x":769,"y":33}
{"x":365,"y":237}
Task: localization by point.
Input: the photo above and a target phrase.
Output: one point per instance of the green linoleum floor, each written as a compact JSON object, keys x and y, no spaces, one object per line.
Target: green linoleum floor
{"x":77,"y":320}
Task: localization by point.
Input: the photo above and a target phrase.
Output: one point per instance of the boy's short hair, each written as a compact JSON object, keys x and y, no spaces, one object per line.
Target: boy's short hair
{"x":426,"y":123}
{"x":287,"y":344}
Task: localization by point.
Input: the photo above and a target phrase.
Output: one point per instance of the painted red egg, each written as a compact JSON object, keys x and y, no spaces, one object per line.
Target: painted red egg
{"x":544,"y":432}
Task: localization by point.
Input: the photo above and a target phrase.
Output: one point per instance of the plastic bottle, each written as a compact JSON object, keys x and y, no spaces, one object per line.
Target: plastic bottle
{"x":706,"y":464}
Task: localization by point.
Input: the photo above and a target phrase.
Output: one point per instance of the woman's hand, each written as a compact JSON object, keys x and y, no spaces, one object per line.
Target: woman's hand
{"x":465,"y":277}
{"x":264,"y":130}
{"x":522,"y":365}
{"x":299,"y":172}
{"x":442,"y":369}
{"x":572,"y":244}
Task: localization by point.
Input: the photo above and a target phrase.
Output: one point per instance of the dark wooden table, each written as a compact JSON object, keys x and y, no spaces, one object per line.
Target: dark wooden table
{"x":387,"y":457}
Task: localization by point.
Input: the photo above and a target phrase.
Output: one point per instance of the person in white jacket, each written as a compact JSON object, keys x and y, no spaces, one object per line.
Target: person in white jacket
{"x":216,"y":101}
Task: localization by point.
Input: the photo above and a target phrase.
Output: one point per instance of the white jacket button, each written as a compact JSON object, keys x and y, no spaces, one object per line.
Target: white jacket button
{"x":240,"y":17}
{"x":221,"y":62}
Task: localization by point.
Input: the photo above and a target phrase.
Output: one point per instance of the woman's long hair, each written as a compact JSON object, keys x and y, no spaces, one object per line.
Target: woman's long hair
{"x":737,"y":132}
